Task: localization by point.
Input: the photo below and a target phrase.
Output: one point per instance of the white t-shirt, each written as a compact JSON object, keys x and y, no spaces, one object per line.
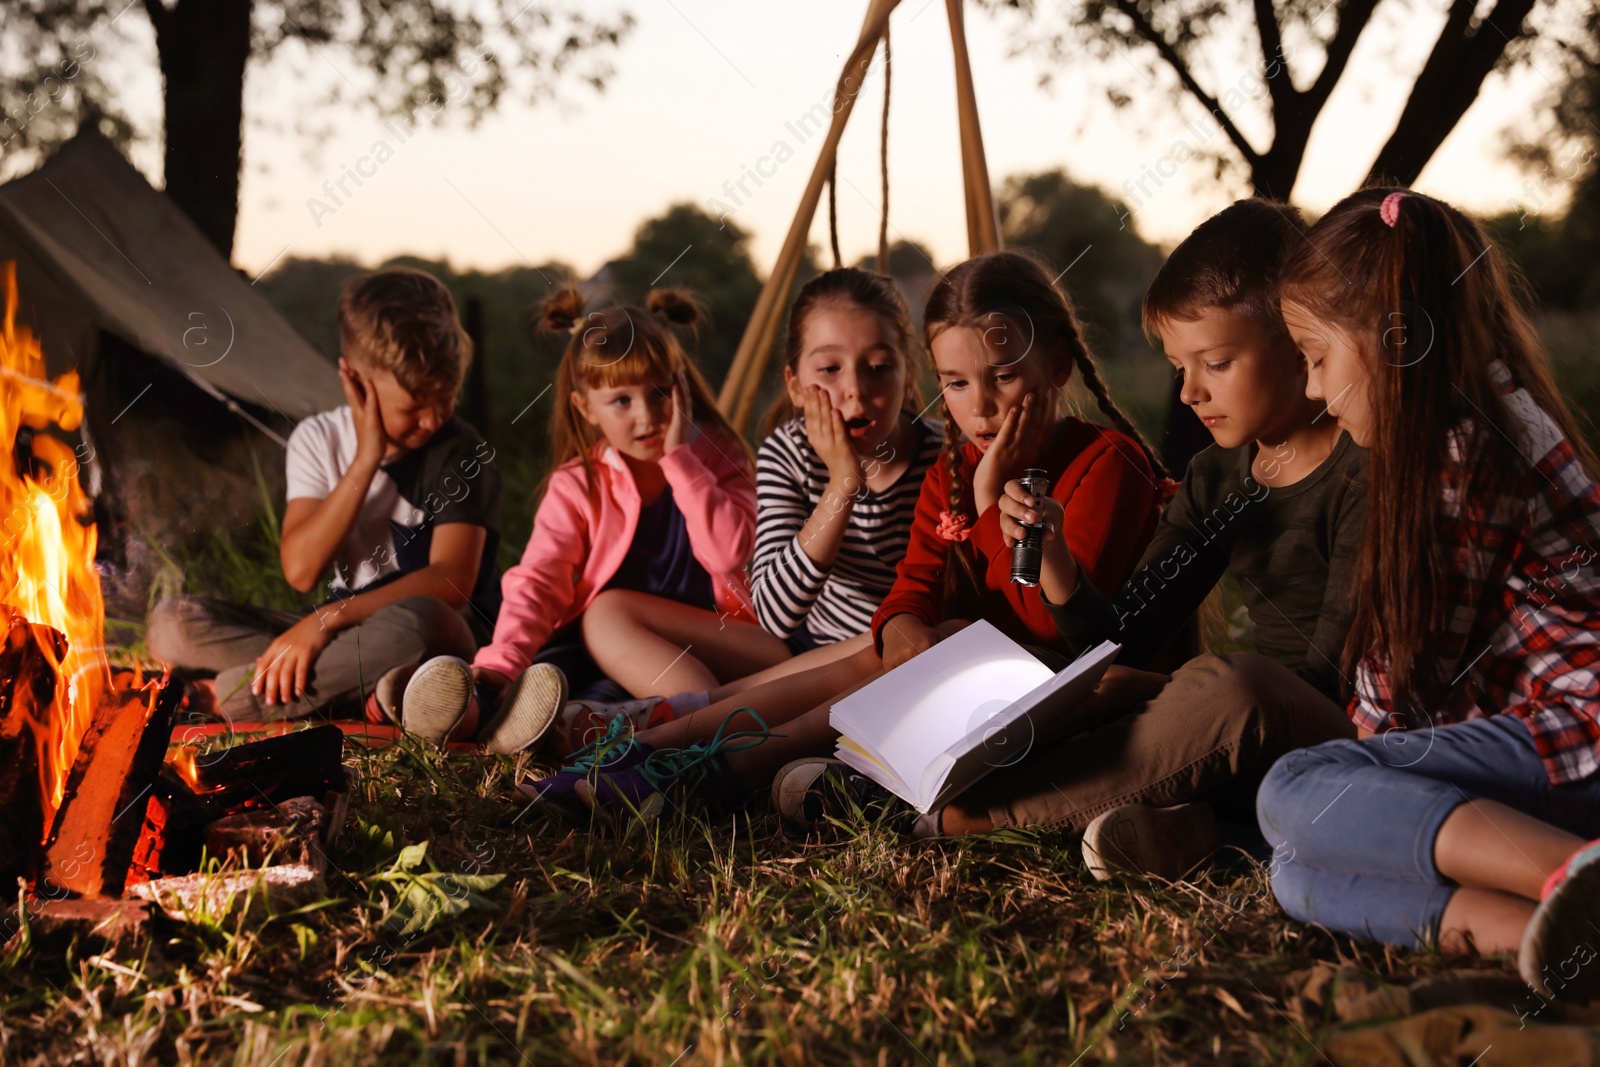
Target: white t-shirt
{"x":449,"y":479}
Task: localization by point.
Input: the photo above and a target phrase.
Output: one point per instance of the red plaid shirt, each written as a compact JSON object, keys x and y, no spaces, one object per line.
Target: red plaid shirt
{"x":1523,"y":590}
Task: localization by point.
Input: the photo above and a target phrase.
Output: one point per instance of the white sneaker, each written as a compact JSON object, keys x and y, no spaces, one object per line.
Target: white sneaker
{"x":584,"y":720}
{"x":526,"y":709}
{"x":435,"y":698}
{"x":1140,"y":839}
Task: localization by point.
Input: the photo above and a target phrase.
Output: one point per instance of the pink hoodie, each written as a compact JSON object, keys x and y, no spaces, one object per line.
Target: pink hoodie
{"x":576,"y":545}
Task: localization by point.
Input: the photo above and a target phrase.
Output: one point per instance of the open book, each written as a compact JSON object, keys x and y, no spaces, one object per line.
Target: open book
{"x":969,"y":705}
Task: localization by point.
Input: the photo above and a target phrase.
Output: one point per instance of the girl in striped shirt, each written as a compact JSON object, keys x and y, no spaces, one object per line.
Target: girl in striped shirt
{"x":838,"y":475}
{"x":836,"y":488}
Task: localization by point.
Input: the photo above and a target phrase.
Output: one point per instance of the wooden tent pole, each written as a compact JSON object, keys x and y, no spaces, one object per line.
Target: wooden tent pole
{"x":983,"y":228}
{"x":744,"y":376}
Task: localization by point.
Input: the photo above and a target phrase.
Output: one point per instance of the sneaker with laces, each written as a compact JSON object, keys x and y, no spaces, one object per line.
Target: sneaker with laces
{"x":615,"y":750}
{"x":698,"y":774}
{"x":435,"y":698}
{"x":815,"y":790}
{"x":1565,"y":930}
{"x":525,"y":711}
{"x":1140,"y":839}
{"x":584,"y":720}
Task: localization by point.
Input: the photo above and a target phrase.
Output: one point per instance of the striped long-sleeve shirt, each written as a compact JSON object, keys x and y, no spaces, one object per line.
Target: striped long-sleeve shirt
{"x":790,"y":589}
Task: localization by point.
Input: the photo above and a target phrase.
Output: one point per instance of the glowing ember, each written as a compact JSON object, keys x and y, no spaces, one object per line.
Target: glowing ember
{"x":47,"y":541}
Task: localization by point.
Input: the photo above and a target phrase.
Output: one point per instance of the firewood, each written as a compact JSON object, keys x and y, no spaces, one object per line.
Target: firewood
{"x":27,"y":689}
{"x":102,"y":810}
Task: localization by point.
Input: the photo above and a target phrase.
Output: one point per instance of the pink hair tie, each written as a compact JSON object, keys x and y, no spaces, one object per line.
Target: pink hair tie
{"x":953,"y":527}
{"x":1389,"y":210}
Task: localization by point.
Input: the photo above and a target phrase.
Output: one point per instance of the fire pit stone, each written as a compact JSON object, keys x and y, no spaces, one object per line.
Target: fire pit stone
{"x":117,"y":922}
{"x":277,"y":888}
{"x":290,"y":833}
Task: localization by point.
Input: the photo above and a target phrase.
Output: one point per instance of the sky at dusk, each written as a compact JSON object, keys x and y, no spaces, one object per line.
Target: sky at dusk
{"x":707,"y":93}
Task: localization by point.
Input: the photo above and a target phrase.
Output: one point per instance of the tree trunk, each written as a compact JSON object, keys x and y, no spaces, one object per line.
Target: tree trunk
{"x":203,"y":46}
{"x":1447,"y":86}
{"x":1276,"y":170}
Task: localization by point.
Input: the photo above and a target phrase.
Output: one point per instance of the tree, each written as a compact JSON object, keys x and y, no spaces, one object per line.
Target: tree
{"x":407,"y":60}
{"x":1083,"y":233}
{"x":906,"y":258}
{"x":1560,"y":254}
{"x":1176,"y":40}
{"x":685,"y":248}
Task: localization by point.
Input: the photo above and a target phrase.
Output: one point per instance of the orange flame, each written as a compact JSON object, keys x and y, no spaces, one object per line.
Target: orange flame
{"x":47,"y":542}
{"x":185,"y":760}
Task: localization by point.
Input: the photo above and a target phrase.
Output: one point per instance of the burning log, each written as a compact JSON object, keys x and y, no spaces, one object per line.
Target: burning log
{"x":278,"y":801}
{"x":102,"y":811}
{"x":256,"y":792}
{"x":263,"y":773}
{"x":27,"y":684}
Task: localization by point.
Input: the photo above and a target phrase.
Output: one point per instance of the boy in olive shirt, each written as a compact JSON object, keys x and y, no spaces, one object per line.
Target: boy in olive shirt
{"x":1278,"y":502}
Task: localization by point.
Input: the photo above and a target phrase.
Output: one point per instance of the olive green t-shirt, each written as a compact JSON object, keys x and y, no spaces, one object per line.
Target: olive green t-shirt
{"x":1292,"y":550}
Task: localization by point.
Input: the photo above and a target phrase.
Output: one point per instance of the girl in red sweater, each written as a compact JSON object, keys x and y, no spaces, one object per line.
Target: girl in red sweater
{"x":1004,"y":344}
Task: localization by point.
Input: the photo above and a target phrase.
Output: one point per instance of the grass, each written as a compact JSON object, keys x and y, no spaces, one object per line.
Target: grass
{"x":516,"y":939}
{"x":674,"y":940}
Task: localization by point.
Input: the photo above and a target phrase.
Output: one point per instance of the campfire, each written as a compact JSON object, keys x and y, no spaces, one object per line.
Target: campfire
{"x":92,"y":805}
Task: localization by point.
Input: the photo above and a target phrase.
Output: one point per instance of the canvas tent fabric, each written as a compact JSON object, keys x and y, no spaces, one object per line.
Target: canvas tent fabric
{"x":191,"y":380}
{"x":98,"y":249}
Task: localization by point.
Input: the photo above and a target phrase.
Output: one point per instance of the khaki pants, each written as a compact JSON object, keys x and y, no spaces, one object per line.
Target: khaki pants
{"x":1212,"y":732}
{"x":208,"y":634}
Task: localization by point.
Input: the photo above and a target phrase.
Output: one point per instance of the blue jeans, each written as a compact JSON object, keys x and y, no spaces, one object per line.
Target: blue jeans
{"x":1353,"y":823}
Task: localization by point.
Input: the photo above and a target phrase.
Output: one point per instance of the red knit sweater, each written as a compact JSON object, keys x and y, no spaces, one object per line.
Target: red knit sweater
{"x":1110,"y":497}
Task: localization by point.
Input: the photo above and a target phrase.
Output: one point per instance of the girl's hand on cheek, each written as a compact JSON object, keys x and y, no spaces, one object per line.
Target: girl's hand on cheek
{"x":1003,"y":460}
{"x":681,"y":419}
{"x":826,"y":431}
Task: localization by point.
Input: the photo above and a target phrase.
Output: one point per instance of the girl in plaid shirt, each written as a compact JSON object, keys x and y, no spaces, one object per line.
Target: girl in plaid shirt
{"x":1459,"y":818}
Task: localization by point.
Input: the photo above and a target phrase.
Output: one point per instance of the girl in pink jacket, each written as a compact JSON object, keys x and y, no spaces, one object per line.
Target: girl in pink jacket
{"x":633,"y":581}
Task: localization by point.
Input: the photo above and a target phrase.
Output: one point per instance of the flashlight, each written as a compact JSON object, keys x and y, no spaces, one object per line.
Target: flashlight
{"x":1027,"y":553}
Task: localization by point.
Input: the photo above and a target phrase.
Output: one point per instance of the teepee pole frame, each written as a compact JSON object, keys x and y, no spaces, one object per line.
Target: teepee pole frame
{"x":983,"y":233}
{"x":983,"y":226}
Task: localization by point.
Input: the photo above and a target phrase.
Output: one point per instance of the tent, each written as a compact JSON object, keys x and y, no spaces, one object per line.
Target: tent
{"x":191,"y":379}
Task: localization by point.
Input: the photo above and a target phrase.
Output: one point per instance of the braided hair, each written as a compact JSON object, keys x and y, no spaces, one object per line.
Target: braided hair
{"x":961,"y":580}
{"x":1017,"y":291}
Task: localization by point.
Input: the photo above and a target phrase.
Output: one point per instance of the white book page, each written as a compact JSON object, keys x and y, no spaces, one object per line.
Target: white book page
{"x":916,"y":712}
{"x":1007,"y":738}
